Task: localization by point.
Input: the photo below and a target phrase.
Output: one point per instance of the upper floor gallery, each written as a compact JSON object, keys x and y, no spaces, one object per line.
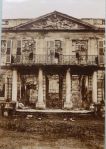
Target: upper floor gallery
{"x":53,"y":39}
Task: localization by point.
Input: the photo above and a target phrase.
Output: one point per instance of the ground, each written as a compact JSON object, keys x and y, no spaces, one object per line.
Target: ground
{"x":25,"y":131}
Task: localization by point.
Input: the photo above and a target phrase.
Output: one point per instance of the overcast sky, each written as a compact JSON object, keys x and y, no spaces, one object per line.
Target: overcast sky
{"x":35,"y":8}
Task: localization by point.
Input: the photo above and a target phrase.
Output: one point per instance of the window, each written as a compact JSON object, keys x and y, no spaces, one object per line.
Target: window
{"x":3,"y":47}
{"x":57,"y":46}
{"x":101,"y":51}
{"x":50,"y":47}
{"x":54,"y":50}
{"x":28,"y":45}
{"x":80,"y":46}
{"x":54,"y":84}
{"x":101,"y":47}
{"x":28,"y":49}
{"x":18,"y":47}
{"x":8,"y":46}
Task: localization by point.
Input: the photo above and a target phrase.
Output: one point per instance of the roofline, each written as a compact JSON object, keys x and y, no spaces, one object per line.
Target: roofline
{"x":19,"y":19}
{"x":55,"y":12}
{"x":94,"y":18}
{"x":34,"y":18}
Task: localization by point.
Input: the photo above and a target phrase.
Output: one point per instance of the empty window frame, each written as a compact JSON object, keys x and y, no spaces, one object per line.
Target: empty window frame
{"x":9,"y":46}
{"x":101,"y":47}
{"x":6,"y":46}
{"x":18,"y":47}
{"x":58,"y":45}
{"x":80,"y":46}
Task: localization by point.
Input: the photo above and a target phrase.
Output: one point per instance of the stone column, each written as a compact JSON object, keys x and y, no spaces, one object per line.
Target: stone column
{"x":94,"y":87}
{"x":14,"y":86}
{"x":86,"y":83}
{"x":40,"y":103}
{"x":68,"y":102}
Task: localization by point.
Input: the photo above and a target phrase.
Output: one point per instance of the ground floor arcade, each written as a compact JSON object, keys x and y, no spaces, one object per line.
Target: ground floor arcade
{"x":55,"y":88}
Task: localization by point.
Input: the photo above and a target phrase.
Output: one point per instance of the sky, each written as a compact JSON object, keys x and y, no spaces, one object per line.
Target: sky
{"x":36,"y":8}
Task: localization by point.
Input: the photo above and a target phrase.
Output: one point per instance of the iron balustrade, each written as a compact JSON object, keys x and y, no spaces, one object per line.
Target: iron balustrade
{"x":52,"y":60}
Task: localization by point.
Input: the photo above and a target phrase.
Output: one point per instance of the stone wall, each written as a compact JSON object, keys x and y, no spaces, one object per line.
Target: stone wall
{"x":42,"y":38}
{"x":100,"y":86}
{"x":7,"y":82}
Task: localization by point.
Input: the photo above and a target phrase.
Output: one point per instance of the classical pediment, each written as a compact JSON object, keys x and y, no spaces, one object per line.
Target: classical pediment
{"x":55,"y":21}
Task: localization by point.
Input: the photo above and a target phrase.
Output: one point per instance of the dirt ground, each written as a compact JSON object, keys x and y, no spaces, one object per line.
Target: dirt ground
{"x":27,"y":130}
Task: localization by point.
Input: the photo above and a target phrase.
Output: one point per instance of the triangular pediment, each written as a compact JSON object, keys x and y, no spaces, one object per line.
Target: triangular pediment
{"x":55,"y":21}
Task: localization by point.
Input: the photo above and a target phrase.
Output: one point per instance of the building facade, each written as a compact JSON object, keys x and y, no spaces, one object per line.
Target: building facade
{"x":52,"y":62}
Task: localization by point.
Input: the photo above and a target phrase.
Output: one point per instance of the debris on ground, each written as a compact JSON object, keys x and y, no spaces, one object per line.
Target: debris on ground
{"x":39,"y":118}
{"x":71,"y":119}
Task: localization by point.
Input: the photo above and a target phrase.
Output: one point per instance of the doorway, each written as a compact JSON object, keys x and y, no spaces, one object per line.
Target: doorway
{"x":80,"y":92}
{"x":54,"y":92}
{"x":29,"y":89}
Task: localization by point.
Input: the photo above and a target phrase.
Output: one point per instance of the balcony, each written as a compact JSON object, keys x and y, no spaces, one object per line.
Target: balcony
{"x":39,"y":59}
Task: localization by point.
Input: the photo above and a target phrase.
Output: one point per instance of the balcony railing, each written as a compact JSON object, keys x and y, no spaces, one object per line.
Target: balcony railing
{"x":51,"y":60}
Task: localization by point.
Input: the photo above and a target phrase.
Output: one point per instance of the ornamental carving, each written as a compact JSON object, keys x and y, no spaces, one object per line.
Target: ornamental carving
{"x":54,"y":22}
{"x":28,"y":45}
{"x":3,"y":47}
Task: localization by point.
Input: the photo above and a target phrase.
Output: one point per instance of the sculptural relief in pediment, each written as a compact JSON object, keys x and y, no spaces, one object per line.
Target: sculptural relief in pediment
{"x":54,"y":22}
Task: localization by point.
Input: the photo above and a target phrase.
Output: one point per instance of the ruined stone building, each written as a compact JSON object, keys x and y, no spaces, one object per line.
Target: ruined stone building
{"x":54,"y":61}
